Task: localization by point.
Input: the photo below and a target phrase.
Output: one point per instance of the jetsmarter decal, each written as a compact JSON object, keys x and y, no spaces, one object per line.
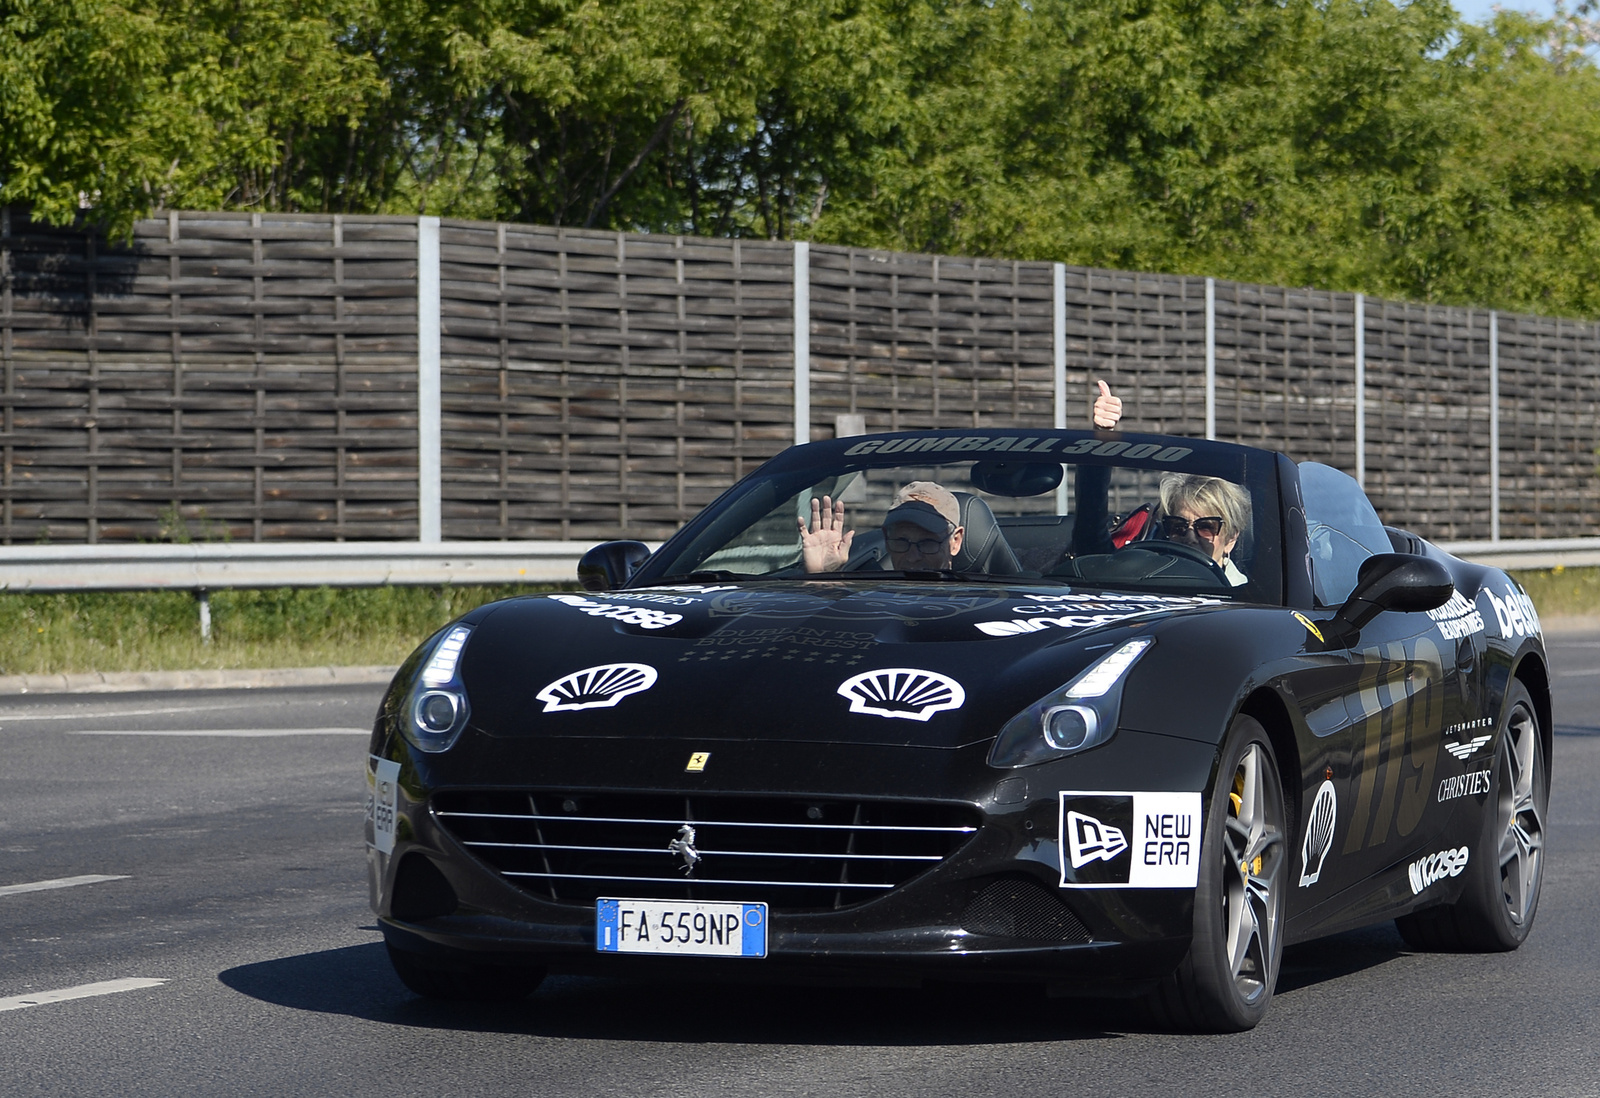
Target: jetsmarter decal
{"x":1436,"y":867}
{"x":1085,"y":611}
{"x":1319,"y":834}
{"x":1129,"y":840}
{"x":1468,"y":745}
{"x":642,"y":616}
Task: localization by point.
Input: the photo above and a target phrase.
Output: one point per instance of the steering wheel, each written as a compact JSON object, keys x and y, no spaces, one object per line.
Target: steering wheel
{"x":1177,"y":549}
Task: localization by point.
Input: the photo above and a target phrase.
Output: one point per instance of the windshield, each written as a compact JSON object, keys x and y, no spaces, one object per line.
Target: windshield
{"x":1134,"y":513}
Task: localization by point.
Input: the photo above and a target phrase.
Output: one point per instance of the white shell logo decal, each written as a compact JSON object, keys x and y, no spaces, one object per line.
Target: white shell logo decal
{"x":906,"y":692}
{"x":1319,"y":834}
{"x":597,"y":687}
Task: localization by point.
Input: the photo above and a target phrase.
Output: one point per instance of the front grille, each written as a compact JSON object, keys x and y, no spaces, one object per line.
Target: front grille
{"x":797,"y":855}
{"x":1014,"y":907}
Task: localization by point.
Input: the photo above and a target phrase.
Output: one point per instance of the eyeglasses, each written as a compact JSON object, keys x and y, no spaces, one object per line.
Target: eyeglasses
{"x":926,"y":546}
{"x":1176,"y":526}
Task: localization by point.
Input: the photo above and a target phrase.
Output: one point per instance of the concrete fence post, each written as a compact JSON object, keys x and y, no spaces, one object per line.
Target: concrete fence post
{"x":429,"y":491}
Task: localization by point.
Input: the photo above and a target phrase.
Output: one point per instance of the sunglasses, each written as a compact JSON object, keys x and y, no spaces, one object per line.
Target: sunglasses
{"x":926,"y":546}
{"x":1208,"y":528}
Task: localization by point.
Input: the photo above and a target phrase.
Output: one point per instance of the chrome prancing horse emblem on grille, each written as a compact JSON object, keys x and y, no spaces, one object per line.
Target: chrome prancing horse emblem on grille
{"x":683,"y":847}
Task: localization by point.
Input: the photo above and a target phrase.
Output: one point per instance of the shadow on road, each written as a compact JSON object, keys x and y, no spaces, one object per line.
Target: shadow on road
{"x":1341,"y":955}
{"x":357,"y":982}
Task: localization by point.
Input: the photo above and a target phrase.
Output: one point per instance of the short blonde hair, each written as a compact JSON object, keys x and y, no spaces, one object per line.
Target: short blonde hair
{"x":1208,"y":496}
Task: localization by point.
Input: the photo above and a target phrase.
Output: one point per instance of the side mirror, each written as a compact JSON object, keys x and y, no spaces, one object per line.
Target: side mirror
{"x":1393,"y":581}
{"x":611,"y":564}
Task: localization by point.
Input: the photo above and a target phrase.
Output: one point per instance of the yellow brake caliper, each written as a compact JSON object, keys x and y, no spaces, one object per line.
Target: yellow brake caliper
{"x":1236,"y":799}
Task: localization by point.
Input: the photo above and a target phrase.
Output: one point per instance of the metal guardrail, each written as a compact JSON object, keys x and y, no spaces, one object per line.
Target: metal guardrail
{"x":211,"y":566}
{"x":1529,"y":552}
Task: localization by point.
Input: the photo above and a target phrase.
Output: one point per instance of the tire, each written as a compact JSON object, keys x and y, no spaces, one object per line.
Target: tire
{"x":462,"y":980}
{"x":1225,"y":983}
{"x":1500,"y":896}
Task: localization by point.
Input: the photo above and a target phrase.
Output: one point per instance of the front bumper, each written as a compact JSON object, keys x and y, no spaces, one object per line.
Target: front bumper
{"x":993,"y":910}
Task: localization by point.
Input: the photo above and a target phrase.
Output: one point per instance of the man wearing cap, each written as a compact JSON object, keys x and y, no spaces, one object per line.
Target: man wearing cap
{"x":922,"y":531}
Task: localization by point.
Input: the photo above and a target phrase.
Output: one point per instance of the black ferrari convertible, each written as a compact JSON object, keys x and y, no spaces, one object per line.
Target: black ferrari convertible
{"x":1117,"y":714}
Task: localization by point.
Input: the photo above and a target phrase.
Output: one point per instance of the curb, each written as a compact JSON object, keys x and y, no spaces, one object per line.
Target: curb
{"x":114,"y":682}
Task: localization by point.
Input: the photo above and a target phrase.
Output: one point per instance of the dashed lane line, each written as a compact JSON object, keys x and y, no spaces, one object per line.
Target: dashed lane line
{"x":226,"y":733}
{"x":60,"y":882}
{"x":82,"y":991}
{"x":89,"y":713}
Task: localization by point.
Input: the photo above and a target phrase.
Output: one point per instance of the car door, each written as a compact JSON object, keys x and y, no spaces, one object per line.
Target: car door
{"x":1379,"y":766}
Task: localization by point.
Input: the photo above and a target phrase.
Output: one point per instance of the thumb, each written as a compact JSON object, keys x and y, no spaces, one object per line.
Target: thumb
{"x":1105,"y":390}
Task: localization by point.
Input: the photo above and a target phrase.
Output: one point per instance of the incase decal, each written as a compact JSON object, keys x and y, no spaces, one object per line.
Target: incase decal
{"x":1436,"y":867}
{"x":1129,"y":840}
{"x":1319,"y":834}
{"x":642,"y":616}
{"x":1085,"y":611}
{"x":597,"y":687}
{"x":1464,"y":785}
{"x":905,"y":692}
{"x":1457,"y":618}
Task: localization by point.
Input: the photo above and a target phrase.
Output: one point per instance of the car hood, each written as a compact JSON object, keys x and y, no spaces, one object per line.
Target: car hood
{"x":899,"y":663}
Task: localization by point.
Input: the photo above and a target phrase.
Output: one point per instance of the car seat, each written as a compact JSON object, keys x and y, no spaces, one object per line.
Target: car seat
{"x":983,"y":548}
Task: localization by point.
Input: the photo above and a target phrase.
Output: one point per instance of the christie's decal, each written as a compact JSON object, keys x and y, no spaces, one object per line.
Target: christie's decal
{"x":1457,"y":618}
{"x":1129,"y":840}
{"x":1436,"y":867}
{"x":642,"y":616}
{"x":1085,"y":612}
{"x":1470,"y":784}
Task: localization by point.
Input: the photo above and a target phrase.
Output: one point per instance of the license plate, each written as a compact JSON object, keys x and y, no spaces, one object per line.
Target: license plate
{"x":681,"y":929}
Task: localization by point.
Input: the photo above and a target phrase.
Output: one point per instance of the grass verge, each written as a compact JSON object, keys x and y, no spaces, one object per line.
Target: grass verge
{"x":348,"y":626}
{"x":1563,"y":592}
{"x":277,"y":627}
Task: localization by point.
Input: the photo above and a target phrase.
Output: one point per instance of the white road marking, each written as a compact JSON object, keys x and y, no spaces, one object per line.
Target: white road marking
{"x":82,"y":991}
{"x":1587,"y":671}
{"x":60,"y":882}
{"x":226,"y":733}
{"x":87,"y":713}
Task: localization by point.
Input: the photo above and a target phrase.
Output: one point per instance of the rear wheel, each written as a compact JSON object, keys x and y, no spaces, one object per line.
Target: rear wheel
{"x":461,"y":979}
{"x":1501,"y":894}
{"x":1225,"y":983}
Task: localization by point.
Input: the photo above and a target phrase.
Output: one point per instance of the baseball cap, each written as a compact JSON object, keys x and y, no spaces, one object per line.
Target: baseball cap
{"x":919,"y":514}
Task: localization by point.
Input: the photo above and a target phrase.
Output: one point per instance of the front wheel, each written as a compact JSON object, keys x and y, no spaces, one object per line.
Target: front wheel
{"x":1506,"y":867}
{"x":1225,"y":983}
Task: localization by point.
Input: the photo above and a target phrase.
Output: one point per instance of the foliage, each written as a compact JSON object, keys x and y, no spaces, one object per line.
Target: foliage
{"x":279,"y":627}
{"x":1350,"y":144}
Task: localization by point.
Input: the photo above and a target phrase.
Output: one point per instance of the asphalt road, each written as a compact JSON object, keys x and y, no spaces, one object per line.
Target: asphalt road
{"x":237,"y":882}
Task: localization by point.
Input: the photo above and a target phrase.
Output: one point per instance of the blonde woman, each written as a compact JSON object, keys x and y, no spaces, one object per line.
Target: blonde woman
{"x":1207,"y":513}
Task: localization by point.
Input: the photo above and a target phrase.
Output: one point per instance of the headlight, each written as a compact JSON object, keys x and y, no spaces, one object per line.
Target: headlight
{"x":436,"y":709}
{"x":1080,"y":715}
